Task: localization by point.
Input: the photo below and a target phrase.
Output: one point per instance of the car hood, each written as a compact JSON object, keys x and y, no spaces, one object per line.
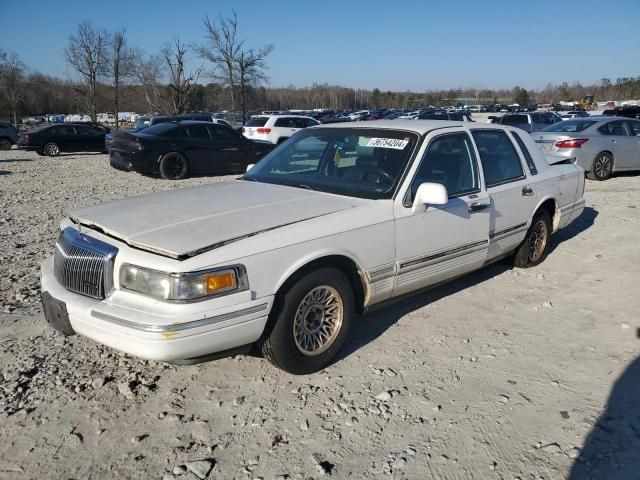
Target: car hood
{"x":186,"y":222}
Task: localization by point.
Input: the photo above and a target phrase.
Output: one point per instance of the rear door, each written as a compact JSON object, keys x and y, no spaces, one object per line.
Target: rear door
{"x":67,"y":138}
{"x":513,"y":198}
{"x":199,"y":149}
{"x":90,"y":138}
{"x":622,"y":144}
{"x":634,"y":128}
{"x":442,"y":241}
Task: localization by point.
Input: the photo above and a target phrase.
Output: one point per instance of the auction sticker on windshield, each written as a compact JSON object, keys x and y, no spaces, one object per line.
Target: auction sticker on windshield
{"x":394,"y":143}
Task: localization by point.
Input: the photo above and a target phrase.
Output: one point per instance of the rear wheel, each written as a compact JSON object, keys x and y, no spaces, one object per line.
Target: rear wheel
{"x":312,"y":322}
{"x":51,"y":149}
{"x":5,"y":143}
{"x":533,"y":249}
{"x":602,"y":167}
{"x":174,"y":166}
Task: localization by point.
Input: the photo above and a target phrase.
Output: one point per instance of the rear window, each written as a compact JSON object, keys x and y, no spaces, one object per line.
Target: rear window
{"x":569,"y":126}
{"x":256,"y":122}
{"x":160,"y":129}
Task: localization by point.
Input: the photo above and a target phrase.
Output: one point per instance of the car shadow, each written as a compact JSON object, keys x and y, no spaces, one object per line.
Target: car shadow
{"x":389,"y":313}
{"x":610,"y":451}
{"x":11,"y":160}
{"x":5,"y":172}
{"x":579,"y":225}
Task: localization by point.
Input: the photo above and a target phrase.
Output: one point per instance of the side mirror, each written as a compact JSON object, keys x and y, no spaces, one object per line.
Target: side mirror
{"x":429,"y":194}
{"x":249,"y":167}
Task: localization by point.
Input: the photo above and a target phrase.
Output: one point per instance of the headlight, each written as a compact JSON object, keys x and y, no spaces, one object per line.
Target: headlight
{"x":183,"y":286}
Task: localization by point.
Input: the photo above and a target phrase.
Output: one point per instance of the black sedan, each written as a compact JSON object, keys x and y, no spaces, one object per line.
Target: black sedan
{"x":175,"y":150}
{"x":52,"y":140}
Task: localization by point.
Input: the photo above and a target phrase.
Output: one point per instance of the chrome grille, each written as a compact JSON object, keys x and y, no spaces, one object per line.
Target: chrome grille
{"x":83,"y":264}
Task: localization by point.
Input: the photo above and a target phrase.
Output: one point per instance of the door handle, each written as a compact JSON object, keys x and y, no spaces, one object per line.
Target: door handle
{"x":478,"y":207}
{"x":527,"y":191}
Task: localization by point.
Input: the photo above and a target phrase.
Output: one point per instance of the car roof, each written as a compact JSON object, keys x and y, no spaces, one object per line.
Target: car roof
{"x":192,"y":122}
{"x":280,"y":115}
{"x":421,"y":127}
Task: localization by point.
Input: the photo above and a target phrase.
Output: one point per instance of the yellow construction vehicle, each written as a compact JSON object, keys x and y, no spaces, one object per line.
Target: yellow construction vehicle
{"x":588,"y":103}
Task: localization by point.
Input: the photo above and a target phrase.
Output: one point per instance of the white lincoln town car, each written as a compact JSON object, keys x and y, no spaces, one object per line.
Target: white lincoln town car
{"x":338,"y":218}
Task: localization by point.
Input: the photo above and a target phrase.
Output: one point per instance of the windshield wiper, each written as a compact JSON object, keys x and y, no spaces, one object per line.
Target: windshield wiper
{"x":302,"y":185}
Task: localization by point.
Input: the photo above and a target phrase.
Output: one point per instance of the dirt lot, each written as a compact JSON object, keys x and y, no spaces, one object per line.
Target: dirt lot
{"x":504,"y":374}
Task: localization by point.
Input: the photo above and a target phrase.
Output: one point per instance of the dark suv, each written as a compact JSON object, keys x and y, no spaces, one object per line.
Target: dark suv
{"x":8,"y":135}
{"x":629,"y":111}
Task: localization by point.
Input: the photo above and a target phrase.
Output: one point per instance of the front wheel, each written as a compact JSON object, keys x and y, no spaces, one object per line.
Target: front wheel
{"x":174,"y":166}
{"x":312,"y":322}
{"x":51,"y":149}
{"x":5,"y":144}
{"x":533,"y":249}
{"x":602,"y":167}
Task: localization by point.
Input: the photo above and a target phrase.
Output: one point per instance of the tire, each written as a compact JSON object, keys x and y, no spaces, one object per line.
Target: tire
{"x":174,"y":166}
{"x":602,"y":167}
{"x":5,"y":143}
{"x":533,"y":248}
{"x":40,"y":153}
{"x":51,"y":149}
{"x":301,"y":313}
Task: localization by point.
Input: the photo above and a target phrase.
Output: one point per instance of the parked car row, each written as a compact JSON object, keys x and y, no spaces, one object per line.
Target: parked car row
{"x":333,"y":221}
{"x":175,"y":150}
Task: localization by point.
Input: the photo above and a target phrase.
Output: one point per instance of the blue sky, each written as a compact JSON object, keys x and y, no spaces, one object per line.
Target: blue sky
{"x":392,"y":45}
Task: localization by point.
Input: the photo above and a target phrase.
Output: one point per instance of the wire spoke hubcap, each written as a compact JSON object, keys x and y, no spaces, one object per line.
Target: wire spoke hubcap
{"x":318,"y":320}
{"x":537,"y":240}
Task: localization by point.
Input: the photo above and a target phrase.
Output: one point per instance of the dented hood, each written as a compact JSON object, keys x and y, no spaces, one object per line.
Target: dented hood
{"x":185,"y":222}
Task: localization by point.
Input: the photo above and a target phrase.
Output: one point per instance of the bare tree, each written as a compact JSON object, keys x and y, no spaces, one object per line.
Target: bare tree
{"x":223,"y":49}
{"x":181,"y":82}
{"x":251,"y":66}
{"x":87,"y":54}
{"x":148,"y":71}
{"x":12,"y":81}
{"x":121,"y":66}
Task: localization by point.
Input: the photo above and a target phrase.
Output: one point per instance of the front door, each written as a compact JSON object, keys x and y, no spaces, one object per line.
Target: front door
{"x":623,"y":146}
{"x":439,"y":242}
{"x":513,"y":196}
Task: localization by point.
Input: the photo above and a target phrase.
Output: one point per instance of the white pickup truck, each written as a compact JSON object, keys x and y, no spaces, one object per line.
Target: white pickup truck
{"x":331,"y":222}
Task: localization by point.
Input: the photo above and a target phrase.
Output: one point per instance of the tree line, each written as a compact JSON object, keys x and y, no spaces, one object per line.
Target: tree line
{"x":221,"y":74}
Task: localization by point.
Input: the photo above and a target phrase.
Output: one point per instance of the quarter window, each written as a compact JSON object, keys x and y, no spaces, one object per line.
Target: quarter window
{"x":525,"y":152}
{"x":499,"y":158}
{"x":450,"y":161}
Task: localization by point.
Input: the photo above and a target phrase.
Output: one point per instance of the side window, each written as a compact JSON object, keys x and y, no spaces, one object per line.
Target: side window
{"x":283,"y":122}
{"x":199,"y":132}
{"x":618,"y":128}
{"x":525,"y":152}
{"x":450,"y":161}
{"x":499,"y":158}
{"x":310,"y":123}
{"x":224,"y":134}
{"x":635,"y":128}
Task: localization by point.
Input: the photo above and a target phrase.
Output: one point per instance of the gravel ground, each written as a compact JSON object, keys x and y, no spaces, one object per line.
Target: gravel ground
{"x":503,"y":374}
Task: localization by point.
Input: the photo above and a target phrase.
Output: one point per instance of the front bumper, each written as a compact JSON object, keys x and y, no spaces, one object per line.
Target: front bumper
{"x":181,"y":332}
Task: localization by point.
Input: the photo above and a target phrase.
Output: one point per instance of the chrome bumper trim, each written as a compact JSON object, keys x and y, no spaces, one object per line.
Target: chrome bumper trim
{"x":178,"y":327}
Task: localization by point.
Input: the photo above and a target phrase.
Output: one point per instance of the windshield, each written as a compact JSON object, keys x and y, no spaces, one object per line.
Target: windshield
{"x":569,"y":126}
{"x":142,"y":122}
{"x":357,"y":162}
